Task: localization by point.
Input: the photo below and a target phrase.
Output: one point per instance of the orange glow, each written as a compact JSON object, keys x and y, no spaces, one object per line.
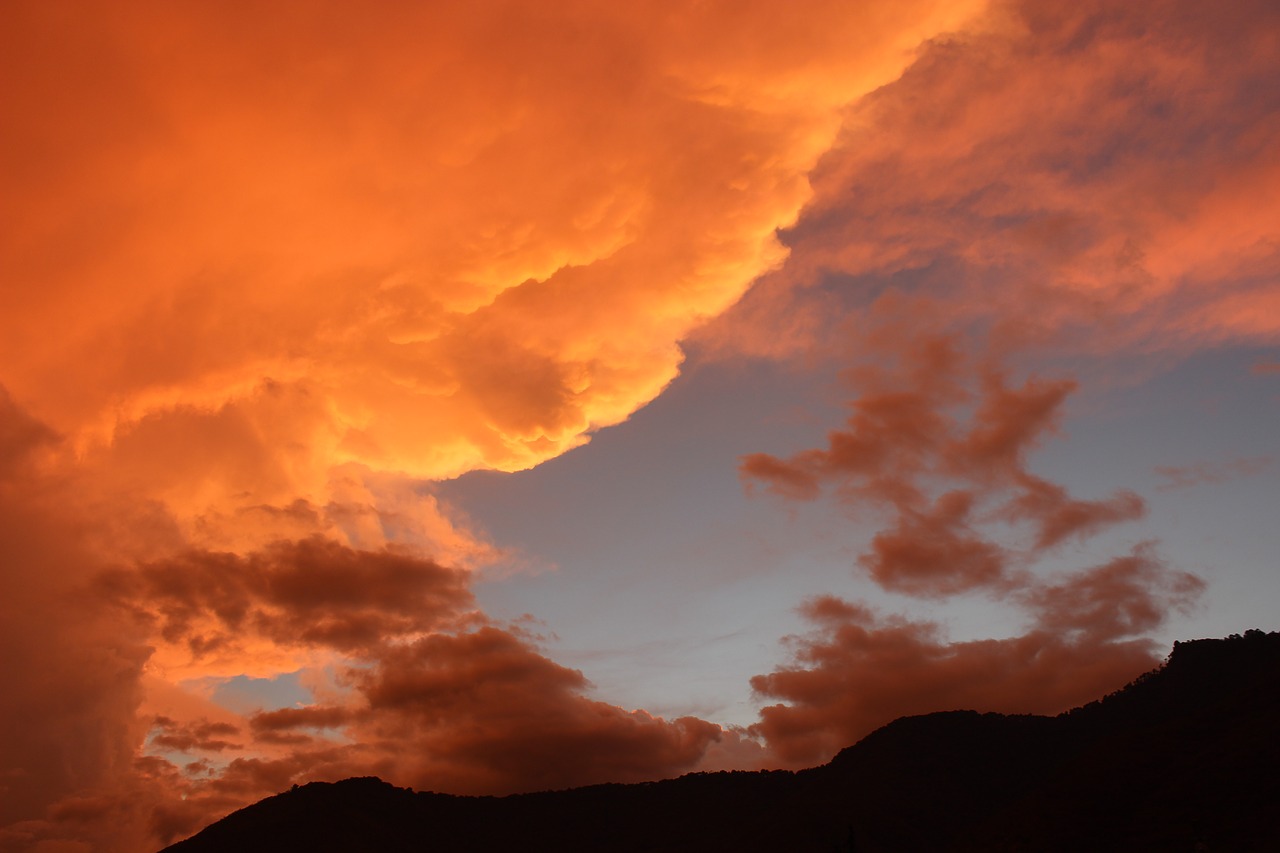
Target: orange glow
{"x":270,"y":276}
{"x":404,"y":241}
{"x":272,"y":270}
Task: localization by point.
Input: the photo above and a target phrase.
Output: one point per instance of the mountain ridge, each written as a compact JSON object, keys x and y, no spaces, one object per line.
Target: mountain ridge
{"x":1182,"y":758}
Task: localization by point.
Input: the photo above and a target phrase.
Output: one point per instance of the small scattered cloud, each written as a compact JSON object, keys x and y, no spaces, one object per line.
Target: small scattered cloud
{"x":1176,"y":477}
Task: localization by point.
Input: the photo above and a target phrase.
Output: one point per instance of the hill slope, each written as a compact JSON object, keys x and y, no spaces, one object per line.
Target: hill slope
{"x":1185,"y":758}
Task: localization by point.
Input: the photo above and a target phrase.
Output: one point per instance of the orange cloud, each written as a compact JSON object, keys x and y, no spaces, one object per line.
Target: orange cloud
{"x":210,"y":607}
{"x":857,"y":670}
{"x":1083,"y":180}
{"x":1080,"y":179}
{"x":274,"y":268}
{"x":1203,"y":473}
{"x":936,"y":552}
{"x":484,"y":712}
{"x":428,"y":692}
{"x":273,"y":271}
{"x":939,"y":440}
{"x":1125,"y":597}
{"x":72,"y":669}
{"x":203,"y":735}
{"x":424,"y":242}
{"x":1059,"y":517}
{"x":436,"y":698}
{"x":475,"y":712}
{"x":1099,"y":176}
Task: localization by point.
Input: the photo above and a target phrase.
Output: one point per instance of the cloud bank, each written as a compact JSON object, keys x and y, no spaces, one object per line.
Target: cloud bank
{"x":275,"y":271}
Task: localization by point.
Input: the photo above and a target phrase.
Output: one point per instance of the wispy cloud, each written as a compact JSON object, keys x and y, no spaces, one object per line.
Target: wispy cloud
{"x":1176,"y":477}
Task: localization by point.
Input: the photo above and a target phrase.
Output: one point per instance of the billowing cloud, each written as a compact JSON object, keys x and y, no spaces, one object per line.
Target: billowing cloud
{"x":71,"y":669}
{"x":425,"y":690}
{"x":424,"y":241}
{"x":1098,"y":176}
{"x":433,"y":693}
{"x":273,"y":271}
{"x":1057,"y":182}
{"x":479,"y":711}
{"x":483,"y":711}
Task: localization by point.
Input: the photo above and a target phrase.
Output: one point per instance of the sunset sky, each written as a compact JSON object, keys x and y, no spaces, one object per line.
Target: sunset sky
{"x":501,"y":396}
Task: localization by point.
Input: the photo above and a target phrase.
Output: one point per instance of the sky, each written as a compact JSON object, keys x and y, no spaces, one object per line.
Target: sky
{"x":510,"y":396}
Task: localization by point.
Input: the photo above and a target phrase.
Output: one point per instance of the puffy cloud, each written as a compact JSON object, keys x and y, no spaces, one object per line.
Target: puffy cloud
{"x":428,"y":694}
{"x":1085,"y":179}
{"x":428,"y":691}
{"x":1007,"y":424}
{"x":214,"y":609}
{"x":932,"y":410}
{"x":936,"y":552}
{"x":273,"y":268}
{"x":939,"y":440}
{"x":1089,"y":178}
{"x":479,"y":711}
{"x":1125,"y":597}
{"x":426,"y":242}
{"x":858,"y":670}
{"x":1098,"y":176}
{"x":484,"y":712}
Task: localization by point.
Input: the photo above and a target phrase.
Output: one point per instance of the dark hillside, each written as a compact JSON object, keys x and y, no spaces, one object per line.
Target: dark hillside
{"x":1185,"y":758}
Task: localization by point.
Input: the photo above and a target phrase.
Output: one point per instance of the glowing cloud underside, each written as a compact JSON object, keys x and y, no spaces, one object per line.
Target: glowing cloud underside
{"x":273,"y":270}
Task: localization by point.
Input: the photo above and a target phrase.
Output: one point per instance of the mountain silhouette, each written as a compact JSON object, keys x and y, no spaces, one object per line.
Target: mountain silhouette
{"x":1185,"y":758}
